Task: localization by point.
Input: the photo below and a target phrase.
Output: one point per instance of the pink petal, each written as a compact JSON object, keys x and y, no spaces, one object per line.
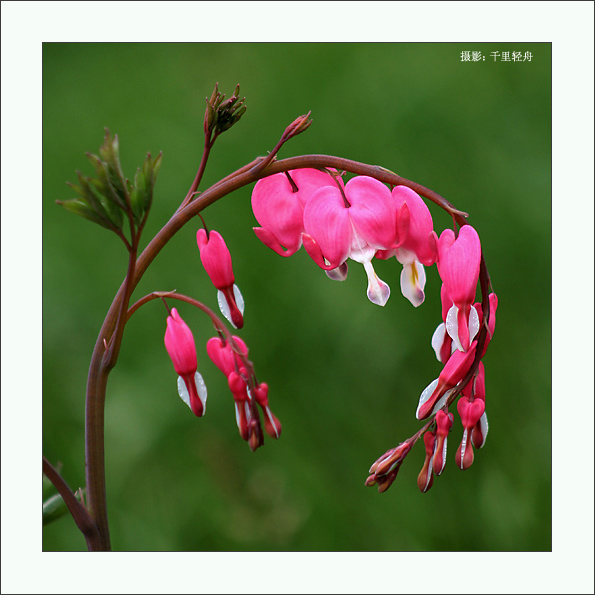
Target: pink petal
{"x":459,"y":264}
{"x":326,"y":220}
{"x":419,"y":237}
{"x":372,"y":212}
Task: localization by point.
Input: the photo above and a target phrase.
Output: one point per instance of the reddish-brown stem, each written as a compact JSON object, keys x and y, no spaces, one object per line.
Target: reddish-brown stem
{"x":201,"y":170}
{"x":79,"y":513}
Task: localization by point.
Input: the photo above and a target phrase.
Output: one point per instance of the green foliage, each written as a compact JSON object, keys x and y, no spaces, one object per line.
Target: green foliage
{"x":109,"y":197}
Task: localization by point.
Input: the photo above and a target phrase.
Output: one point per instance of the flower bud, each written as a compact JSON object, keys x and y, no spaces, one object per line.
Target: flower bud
{"x":426,"y":477}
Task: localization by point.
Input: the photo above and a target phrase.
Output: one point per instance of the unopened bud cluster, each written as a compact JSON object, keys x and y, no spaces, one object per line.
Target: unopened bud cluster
{"x":230,"y":355}
{"x":221,"y":114}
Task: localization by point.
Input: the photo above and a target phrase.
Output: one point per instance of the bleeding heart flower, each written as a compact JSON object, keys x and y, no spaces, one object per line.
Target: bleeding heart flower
{"x":216,"y":260}
{"x":354,"y":224}
{"x":278,"y":203}
{"x":180,"y":346}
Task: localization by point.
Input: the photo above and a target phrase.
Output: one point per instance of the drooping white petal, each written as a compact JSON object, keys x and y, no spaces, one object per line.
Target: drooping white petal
{"x":483,"y":424}
{"x":201,"y":390}
{"x":272,"y":421}
{"x":473,"y":324}
{"x":237,"y":294}
{"x":443,"y":456}
{"x":378,"y":290}
{"x":464,"y":442}
{"x":413,"y":281}
{"x":183,"y":391}
{"x":339,"y":273}
{"x":452,"y":325}
{"x":238,"y":416}
{"x":224,"y":306}
{"x":426,"y":394}
{"x":438,"y":340}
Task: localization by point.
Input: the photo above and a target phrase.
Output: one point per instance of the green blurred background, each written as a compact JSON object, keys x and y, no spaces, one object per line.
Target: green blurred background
{"x":344,"y":375}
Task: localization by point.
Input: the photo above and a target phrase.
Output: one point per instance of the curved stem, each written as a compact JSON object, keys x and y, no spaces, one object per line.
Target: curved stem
{"x":98,"y":371}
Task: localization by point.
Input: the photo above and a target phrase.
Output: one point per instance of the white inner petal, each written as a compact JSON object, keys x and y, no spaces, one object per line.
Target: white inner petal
{"x":452,"y":327}
{"x":273,"y":425}
{"x":378,"y":290}
{"x":201,"y":390}
{"x":473,"y":324}
{"x":237,"y":416}
{"x":463,"y":447}
{"x":405,"y":256}
{"x":426,"y":394}
{"x":483,"y":424}
{"x":183,"y":391}
{"x":443,"y":457}
{"x":360,"y":250}
{"x":339,"y":273}
{"x":413,"y":281}
{"x":237,"y":294}
{"x":438,"y":340}
{"x":224,"y":307}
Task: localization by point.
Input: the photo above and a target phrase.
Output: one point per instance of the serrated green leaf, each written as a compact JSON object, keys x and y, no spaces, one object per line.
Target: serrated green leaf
{"x":96,"y":199}
{"x":104,"y":183}
{"x":137,"y":196}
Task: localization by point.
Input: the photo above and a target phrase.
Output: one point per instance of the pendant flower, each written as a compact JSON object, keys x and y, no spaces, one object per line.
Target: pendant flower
{"x":278,"y":203}
{"x":458,"y":266}
{"x":351,"y":224}
{"x":216,"y":260}
{"x":179,"y":343}
{"x":417,"y":245}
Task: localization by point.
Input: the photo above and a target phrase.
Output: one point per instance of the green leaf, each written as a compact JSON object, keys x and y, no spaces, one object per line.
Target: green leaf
{"x":104,"y":184}
{"x":141,"y":196}
{"x":54,"y":508}
{"x":78,"y":207}
{"x":97,"y":200}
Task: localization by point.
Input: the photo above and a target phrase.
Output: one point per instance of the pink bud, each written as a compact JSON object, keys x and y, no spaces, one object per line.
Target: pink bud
{"x":216,"y":260}
{"x":453,"y":372}
{"x":470,"y":411}
{"x":480,"y":432}
{"x":464,"y":457}
{"x":223,"y":355}
{"x":444,"y":422}
{"x":179,"y":343}
{"x":426,"y":477}
{"x":391,"y":460}
{"x":180,"y":346}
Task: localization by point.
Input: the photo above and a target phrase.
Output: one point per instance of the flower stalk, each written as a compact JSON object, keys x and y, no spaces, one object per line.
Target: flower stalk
{"x":107,"y":346}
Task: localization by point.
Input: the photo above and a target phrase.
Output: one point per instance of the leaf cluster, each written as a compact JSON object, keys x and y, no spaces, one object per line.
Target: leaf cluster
{"x":109,"y":198}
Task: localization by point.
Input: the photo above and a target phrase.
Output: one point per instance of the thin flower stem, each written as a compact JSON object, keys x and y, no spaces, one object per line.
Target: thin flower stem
{"x":201,"y":170}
